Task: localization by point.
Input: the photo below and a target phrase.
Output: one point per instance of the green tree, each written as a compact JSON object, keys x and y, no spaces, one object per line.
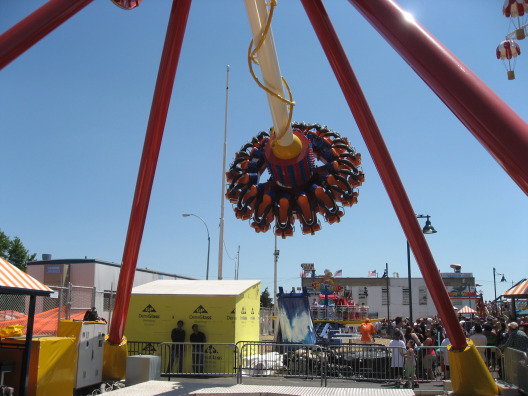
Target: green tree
{"x":265,"y":299}
{"x":4,"y":245}
{"x":15,"y":252}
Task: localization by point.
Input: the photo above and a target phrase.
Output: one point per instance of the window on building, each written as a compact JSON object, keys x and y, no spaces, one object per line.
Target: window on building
{"x":405,"y":295}
{"x":384,"y":296}
{"x":109,"y":300}
{"x":422,"y":296}
{"x":363,"y":296}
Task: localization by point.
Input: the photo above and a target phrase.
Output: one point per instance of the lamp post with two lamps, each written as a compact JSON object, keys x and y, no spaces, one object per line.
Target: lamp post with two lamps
{"x":428,"y":229}
{"x":503,"y":279}
{"x":208,"y":241}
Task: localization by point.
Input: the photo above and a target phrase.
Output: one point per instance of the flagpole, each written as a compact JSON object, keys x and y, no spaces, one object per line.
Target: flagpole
{"x":222,"y":197}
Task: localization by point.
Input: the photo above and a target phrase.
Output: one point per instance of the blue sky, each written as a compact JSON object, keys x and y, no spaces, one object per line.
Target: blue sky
{"x":74,"y":110}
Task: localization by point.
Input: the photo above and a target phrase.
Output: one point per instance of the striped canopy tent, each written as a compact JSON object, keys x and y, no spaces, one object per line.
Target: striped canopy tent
{"x":466,"y":310}
{"x":517,"y":291}
{"x":15,"y":281}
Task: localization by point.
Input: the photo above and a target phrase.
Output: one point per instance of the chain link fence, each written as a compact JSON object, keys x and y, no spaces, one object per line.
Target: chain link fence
{"x":266,"y":321}
{"x":70,"y":302}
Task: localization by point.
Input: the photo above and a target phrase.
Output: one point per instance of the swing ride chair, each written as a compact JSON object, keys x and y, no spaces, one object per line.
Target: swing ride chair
{"x":298,"y":188}
{"x":507,"y":51}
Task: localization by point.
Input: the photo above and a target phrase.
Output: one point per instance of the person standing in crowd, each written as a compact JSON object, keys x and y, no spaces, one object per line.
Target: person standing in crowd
{"x":445,"y":357}
{"x":411,"y":335}
{"x":363,"y":309}
{"x":197,"y":339}
{"x":397,"y":347}
{"x":409,"y":369}
{"x":177,"y":335}
{"x":502,"y":337}
{"x":517,"y":339}
{"x":430,"y":354}
{"x":491,"y":337}
{"x":480,"y":340}
{"x":367,"y":331}
{"x":398,"y":323}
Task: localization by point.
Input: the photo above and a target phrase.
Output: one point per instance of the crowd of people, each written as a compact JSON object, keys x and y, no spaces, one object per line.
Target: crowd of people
{"x":416,"y":346}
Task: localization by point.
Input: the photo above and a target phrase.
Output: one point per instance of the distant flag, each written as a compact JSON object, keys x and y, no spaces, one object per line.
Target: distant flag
{"x":338,"y":273}
{"x":372,"y":273}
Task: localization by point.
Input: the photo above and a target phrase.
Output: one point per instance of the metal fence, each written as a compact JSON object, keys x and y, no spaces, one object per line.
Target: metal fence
{"x":339,"y":312}
{"x":198,"y":359}
{"x":359,"y":362}
{"x":70,"y":302}
{"x":284,"y":360}
{"x":266,"y":322}
{"x":516,"y":368}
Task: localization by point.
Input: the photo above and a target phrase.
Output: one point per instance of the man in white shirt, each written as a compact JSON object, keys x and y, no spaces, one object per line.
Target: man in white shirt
{"x":480,"y":340}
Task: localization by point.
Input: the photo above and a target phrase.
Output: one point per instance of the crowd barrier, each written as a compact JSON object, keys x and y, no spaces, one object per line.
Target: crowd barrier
{"x":359,"y":362}
{"x":516,"y":368}
{"x":198,"y":359}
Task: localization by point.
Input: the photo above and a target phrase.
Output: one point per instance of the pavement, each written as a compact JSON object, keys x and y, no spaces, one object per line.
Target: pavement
{"x":272,"y":386}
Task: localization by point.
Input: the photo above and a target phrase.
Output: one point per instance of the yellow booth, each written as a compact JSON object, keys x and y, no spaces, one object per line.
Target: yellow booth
{"x":226,"y":311}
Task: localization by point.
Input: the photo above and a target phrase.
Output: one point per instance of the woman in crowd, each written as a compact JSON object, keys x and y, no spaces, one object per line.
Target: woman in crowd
{"x":429,"y":354}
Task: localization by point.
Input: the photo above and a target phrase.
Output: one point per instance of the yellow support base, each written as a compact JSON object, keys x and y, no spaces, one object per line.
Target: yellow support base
{"x":114,"y":360}
{"x":469,"y":374}
{"x":288,"y":152}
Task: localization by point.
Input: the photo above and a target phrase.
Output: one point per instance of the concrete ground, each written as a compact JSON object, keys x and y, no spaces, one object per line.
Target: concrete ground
{"x":271,"y":386}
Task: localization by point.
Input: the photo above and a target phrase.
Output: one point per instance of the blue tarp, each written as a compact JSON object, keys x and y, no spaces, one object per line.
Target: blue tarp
{"x":294,"y":317}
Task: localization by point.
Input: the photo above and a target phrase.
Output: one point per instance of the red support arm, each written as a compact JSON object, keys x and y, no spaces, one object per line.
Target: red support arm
{"x":493,"y":123}
{"x":35,"y":26}
{"x":386,"y":168}
{"x":149,"y":160}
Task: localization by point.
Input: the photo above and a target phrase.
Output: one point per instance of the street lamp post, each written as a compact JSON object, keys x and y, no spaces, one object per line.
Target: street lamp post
{"x":208,"y":241}
{"x":428,"y":229}
{"x":503,"y":279}
{"x":386,"y":276}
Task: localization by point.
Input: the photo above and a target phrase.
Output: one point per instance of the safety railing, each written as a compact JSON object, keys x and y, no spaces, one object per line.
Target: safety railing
{"x":142,"y":348}
{"x":339,"y":312}
{"x":198,"y":359}
{"x":284,"y":360}
{"x":359,"y":362}
{"x":432,"y":362}
{"x":516,"y":368}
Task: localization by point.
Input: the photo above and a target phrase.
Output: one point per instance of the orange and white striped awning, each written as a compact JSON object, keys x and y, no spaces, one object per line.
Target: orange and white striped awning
{"x":465,"y":310}
{"x":15,"y":281}
{"x":520,"y":289}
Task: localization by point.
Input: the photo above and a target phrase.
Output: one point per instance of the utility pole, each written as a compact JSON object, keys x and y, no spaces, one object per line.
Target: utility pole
{"x":386,"y":276}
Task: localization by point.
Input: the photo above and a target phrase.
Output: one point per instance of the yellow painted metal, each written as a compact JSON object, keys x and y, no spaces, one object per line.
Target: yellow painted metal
{"x":288,"y":152}
{"x":114,"y":360}
{"x":51,"y":368}
{"x":469,"y":374}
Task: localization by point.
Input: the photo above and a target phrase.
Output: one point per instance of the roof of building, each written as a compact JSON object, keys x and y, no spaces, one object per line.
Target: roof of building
{"x":195,"y":287}
{"x":94,"y":261}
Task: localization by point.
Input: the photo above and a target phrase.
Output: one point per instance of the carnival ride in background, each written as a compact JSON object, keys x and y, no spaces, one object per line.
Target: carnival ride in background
{"x":287,"y":154}
{"x":517,"y":13}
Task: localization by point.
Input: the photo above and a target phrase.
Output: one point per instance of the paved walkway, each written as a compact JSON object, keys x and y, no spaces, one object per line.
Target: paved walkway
{"x":270,"y":386}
